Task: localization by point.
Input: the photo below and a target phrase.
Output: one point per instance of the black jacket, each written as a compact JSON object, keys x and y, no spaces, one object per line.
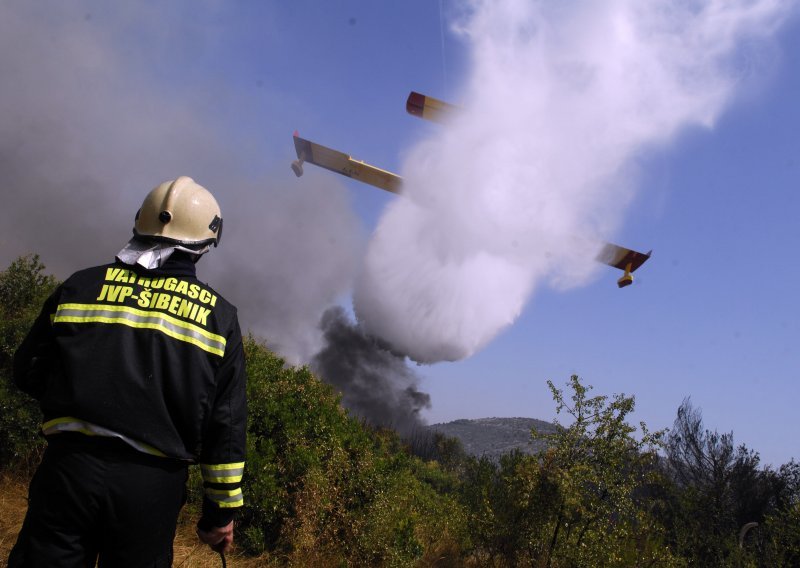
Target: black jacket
{"x":153,"y":357}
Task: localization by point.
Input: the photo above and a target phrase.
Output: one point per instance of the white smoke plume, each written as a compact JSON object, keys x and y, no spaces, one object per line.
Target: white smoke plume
{"x":522,"y":186}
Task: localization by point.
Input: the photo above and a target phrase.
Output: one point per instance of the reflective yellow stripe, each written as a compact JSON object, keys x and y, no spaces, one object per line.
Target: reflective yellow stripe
{"x":143,"y":319}
{"x":70,"y":424}
{"x":223,"y":472}
{"x":225,"y":498}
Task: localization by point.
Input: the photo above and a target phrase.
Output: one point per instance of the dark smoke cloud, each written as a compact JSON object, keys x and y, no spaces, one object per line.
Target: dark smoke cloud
{"x":89,"y":122}
{"x":88,"y":125}
{"x":376,"y":383}
{"x":292,"y":255}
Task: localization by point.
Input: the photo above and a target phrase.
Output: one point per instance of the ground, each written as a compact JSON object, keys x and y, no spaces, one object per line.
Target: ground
{"x":188,"y":550}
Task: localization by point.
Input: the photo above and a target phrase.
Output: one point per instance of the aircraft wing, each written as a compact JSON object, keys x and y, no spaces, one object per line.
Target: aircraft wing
{"x":429,"y":108}
{"x":433,"y":109}
{"x":619,"y":257}
{"x":342,"y":163}
{"x":625,"y":259}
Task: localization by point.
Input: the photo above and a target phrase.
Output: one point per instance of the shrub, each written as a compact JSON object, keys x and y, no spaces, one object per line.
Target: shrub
{"x":23,"y":289}
{"x":324,"y":489}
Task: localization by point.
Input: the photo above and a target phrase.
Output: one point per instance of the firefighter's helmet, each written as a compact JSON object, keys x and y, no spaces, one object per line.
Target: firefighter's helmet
{"x":180,"y":212}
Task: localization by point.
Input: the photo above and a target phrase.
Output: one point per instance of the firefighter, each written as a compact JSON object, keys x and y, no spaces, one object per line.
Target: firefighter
{"x":139,"y":370}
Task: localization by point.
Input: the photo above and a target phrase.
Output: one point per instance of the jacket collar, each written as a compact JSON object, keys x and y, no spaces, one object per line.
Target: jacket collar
{"x":178,"y":264}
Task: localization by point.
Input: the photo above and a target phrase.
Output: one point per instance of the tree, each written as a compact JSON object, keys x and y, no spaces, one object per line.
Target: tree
{"x":582,"y":502}
{"x":602,"y":468}
{"x":717,"y":489}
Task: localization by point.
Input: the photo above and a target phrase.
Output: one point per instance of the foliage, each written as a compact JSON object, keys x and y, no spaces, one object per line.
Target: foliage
{"x":716,"y":489}
{"x":23,"y":289}
{"x":600,"y":467}
{"x":578,"y":503}
{"x":782,"y":541}
{"x":324,"y":489}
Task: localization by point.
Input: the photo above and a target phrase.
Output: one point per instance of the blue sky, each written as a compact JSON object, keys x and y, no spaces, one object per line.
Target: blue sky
{"x":105,"y":102}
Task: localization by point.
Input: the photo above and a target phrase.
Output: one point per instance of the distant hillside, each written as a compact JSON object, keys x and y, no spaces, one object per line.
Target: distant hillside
{"x":493,"y":437}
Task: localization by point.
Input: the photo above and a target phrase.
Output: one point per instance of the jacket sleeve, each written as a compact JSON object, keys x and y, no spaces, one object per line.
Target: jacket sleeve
{"x":223,"y":448}
{"x":32,"y":359}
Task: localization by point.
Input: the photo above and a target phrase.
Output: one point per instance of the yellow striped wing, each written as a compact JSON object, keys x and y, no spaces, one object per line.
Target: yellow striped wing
{"x":344,"y":164}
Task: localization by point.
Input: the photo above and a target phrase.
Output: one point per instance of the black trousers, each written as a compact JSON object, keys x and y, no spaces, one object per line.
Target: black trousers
{"x":97,"y":500}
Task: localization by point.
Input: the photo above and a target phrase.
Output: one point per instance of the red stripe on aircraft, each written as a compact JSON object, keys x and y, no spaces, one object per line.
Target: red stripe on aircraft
{"x":415,"y":104}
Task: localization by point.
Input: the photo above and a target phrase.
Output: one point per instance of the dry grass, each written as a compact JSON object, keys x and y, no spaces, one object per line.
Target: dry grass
{"x":189,"y":552}
{"x":13,"y":503}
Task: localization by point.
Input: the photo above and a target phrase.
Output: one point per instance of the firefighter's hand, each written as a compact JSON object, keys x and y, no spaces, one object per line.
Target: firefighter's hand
{"x":220,"y":539}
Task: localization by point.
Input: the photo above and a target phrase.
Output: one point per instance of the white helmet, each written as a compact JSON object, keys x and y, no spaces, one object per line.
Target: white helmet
{"x":180,"y":212}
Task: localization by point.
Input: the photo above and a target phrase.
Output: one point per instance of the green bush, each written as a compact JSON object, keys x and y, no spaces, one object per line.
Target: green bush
{"x":321,"y":487}
{"x":23,"y":289}
{"x":577,"y":503}
{"x":324,"y":489}
{"x":783,"y":538}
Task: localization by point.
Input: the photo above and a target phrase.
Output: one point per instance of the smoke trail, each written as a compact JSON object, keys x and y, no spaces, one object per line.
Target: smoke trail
{"x":376,"y":384}
{"x":517,"y":191}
